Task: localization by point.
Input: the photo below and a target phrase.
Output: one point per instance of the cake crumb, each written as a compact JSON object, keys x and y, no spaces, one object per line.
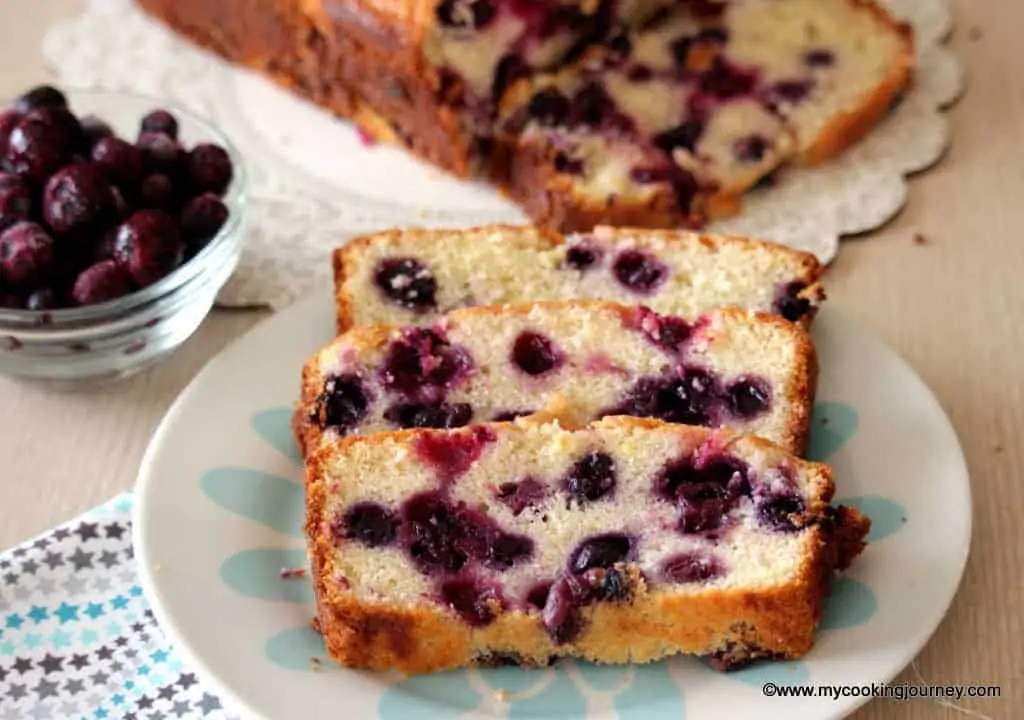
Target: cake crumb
{"x":315,"y":664}
{"x":365,"y":138}
{"x":292,"y":573}
{"x":501,"y":695}
{"x":975,"y":34}
{"x":920,"y":239}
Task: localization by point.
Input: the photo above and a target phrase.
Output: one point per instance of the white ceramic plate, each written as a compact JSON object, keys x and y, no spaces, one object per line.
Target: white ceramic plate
{"x":219,"y":513}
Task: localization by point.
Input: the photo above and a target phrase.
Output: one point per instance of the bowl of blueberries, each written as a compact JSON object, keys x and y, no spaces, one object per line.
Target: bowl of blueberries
{"x":120,"y":220}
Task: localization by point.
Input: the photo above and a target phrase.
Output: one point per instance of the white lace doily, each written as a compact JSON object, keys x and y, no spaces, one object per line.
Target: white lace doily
{"x":314,"y":184}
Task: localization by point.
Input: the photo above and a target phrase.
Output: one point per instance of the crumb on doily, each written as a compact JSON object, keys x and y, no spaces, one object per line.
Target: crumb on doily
{"x":975,"y":33}
{"x":920,"y":239}
{"x":292,"y":573}
{"x":315,"y":664}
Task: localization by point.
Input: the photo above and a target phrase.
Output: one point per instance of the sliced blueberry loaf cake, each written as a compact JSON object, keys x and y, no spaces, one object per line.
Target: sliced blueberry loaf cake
{"x":624,"y":541}
{"x":670,"y":124}
{"x":414,"y":275}
{"x":581,"y":360}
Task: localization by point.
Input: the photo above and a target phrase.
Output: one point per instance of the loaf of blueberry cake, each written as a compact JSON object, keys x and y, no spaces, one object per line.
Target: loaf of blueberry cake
{"x":655,"y":113}
{"x":581,"y":360}
{"x":624,"y":541}
{"x":414,"y":275}
{"x":669,"y":124}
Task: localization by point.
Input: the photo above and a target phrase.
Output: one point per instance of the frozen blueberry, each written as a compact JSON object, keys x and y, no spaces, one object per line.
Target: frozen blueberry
{"x":639,"y":271}
{"x":343,"y":403}
{"x":535,"y":354}
{"x":748,"y":397}
{"x":591,"y":478}
{"x":159,"y":121}
{"x":78,"y":197}
{"x":201,"y":219}
{"x":160,"y":153}
{"x":101,"y":282}
{"x":26,"y":253}
{"x":93,"y":130}
{"x":38,"y":146}
{"x":407,"y":282}
{"x":8,"y":119}
{"x":42,"y":299}
{"x":15,"y":201}
{"x":209,"y":168}
{"x":157,"y":191}
{"x":148,"y":245}
{"x":120,"y":161}
{"x":41,"y":96}
{"x":369,"y":523}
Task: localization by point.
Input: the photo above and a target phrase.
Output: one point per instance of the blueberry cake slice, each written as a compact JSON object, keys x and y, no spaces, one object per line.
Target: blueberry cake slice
{"x":624,"y":541}
{"x":415,"y":275}
{"x":670,"y":124}
{"x":581,"y":360}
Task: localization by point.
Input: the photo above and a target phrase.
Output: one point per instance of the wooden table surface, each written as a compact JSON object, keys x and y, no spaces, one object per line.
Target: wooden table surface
{"x":952,"y":306}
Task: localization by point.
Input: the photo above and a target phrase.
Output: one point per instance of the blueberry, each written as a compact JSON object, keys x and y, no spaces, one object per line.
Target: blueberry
{"x":563,"y":163}
{"x":441,"y":416}
{"x":788,"y":304}
{"x":38,"y":147}
{"x":668,"y":333}
{"x":561,"y":613}
{"x":792,"y":91}
{"x":507,"y":549}
{"x":15,"y":202}
{"x":8,"y":119}
{"x":591,"y":478}
{"x":157,"y":192}
{"x":638,"y":271}
{"x":41,"y":96}
{"x":93,"y":130}
{"x":549,"y":107}
{"x":782,"y":513}
{"x":78,"y":198}
{"x":342,"y":404}
{"x":600,"y":551}
{"x":582,"y":256}
{"x":465,"y":14}
{"x":430,"y":532}
{"x":369,"y":523}
{"x":101,"y":282}
{"x":421,"y":365}
{"x":148,"y":245}
{"x":518,"y":496}
{"x":591,"y":105}
{"x":685,"y":135}
{"x":819,"y":58}
{"x":407,"y":282}
{"x":160,"y":153}
{"x":510,"y":415}
{"x":725,"y":81}
{"x":26,"y":253}
{"x":120,"y":161}
{"x":749,"y":397}
{"x":471,"y":599}
{"x":209,"y":168}
{"x":159,"y":121}
{"x":535,"y":354}
{"x":201,"y":219}
{"x":692,"y":567}
{"x":751,"y":148}
{"x":537,"y":596}
{"x":452,"y":454}
{"x":42,"y":299}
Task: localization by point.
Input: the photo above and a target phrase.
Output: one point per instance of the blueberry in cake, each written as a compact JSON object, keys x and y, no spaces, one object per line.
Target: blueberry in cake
{"x":415,"y":275}
{"x":582,"y":360}
{"x":627,"y":540}
{"x":671,"y":123}
{"x":654,"y":113}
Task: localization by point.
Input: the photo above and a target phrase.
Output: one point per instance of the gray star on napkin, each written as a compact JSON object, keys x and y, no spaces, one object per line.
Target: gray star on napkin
{"x":156,"y":715}
{"x":80,"y":559}
{"x":10,"y":713}
{"x":99,"y":678}
{"x":17,"y":691}
{"x":180,"y":708}
{"x":61,"y":533}
{"x":46,"y":586}
{"x":41,"y":543}
{"x":114,"y":530}
{"x":42,"y":711}
{"x":74,"y":584}
{"x":46,"y":688}
{"x":68,"y":708}
{"x":30,"y":566}
{"x":21,"y":593}
{"x":208,"y":704}
{"x":74,"y":686}
{"x":87,"y":531}
{"x":79,"y":661}
{"x":107,"y":559}
{"x":101,"y":583}
{"x":53,"y":560}
{"x":51,"y":664}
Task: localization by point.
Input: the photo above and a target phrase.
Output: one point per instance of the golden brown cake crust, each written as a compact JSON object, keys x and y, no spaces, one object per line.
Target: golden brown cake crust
{"x":731,"y":626}
{"x":346,"y":258}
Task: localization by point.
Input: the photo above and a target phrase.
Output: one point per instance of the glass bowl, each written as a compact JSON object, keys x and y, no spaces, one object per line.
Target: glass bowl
{"x":115,"y":339}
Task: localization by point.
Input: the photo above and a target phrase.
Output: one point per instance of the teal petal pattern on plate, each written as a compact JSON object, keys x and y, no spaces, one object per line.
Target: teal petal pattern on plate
{"x":832,"y":425}
{"x":275,"y":426}
{"x":257,"y":573}
{"x":887,"y":516}
{"x":270,"y":499}
{"x":560,"y":699}
{"x":607,"y":678}
{"x":294,"y":649}
{"x":779,"y":672}
{"x":850,"y":603}
{"x":653,"y":695}
{"x":429,"y":697}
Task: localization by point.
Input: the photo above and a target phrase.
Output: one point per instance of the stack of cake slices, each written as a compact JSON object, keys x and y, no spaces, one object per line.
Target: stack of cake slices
{"x":524,"y":446}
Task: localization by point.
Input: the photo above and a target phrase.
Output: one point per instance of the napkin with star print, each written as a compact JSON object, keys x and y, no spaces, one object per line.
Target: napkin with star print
{"x":77,"y":638}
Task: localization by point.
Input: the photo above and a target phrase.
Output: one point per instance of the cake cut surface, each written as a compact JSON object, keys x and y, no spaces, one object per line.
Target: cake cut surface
{"x":746,"y":371}
{"x":627,"y":540}
{"x":416,"y":275}
{"x":630,"y":112}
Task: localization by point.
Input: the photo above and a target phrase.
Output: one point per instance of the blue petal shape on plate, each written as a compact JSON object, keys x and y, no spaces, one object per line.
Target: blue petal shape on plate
{"x":832,"y":425}
{"x":887,"y":516}
{"x":257,"y":573}
{"x":270,"y":499}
